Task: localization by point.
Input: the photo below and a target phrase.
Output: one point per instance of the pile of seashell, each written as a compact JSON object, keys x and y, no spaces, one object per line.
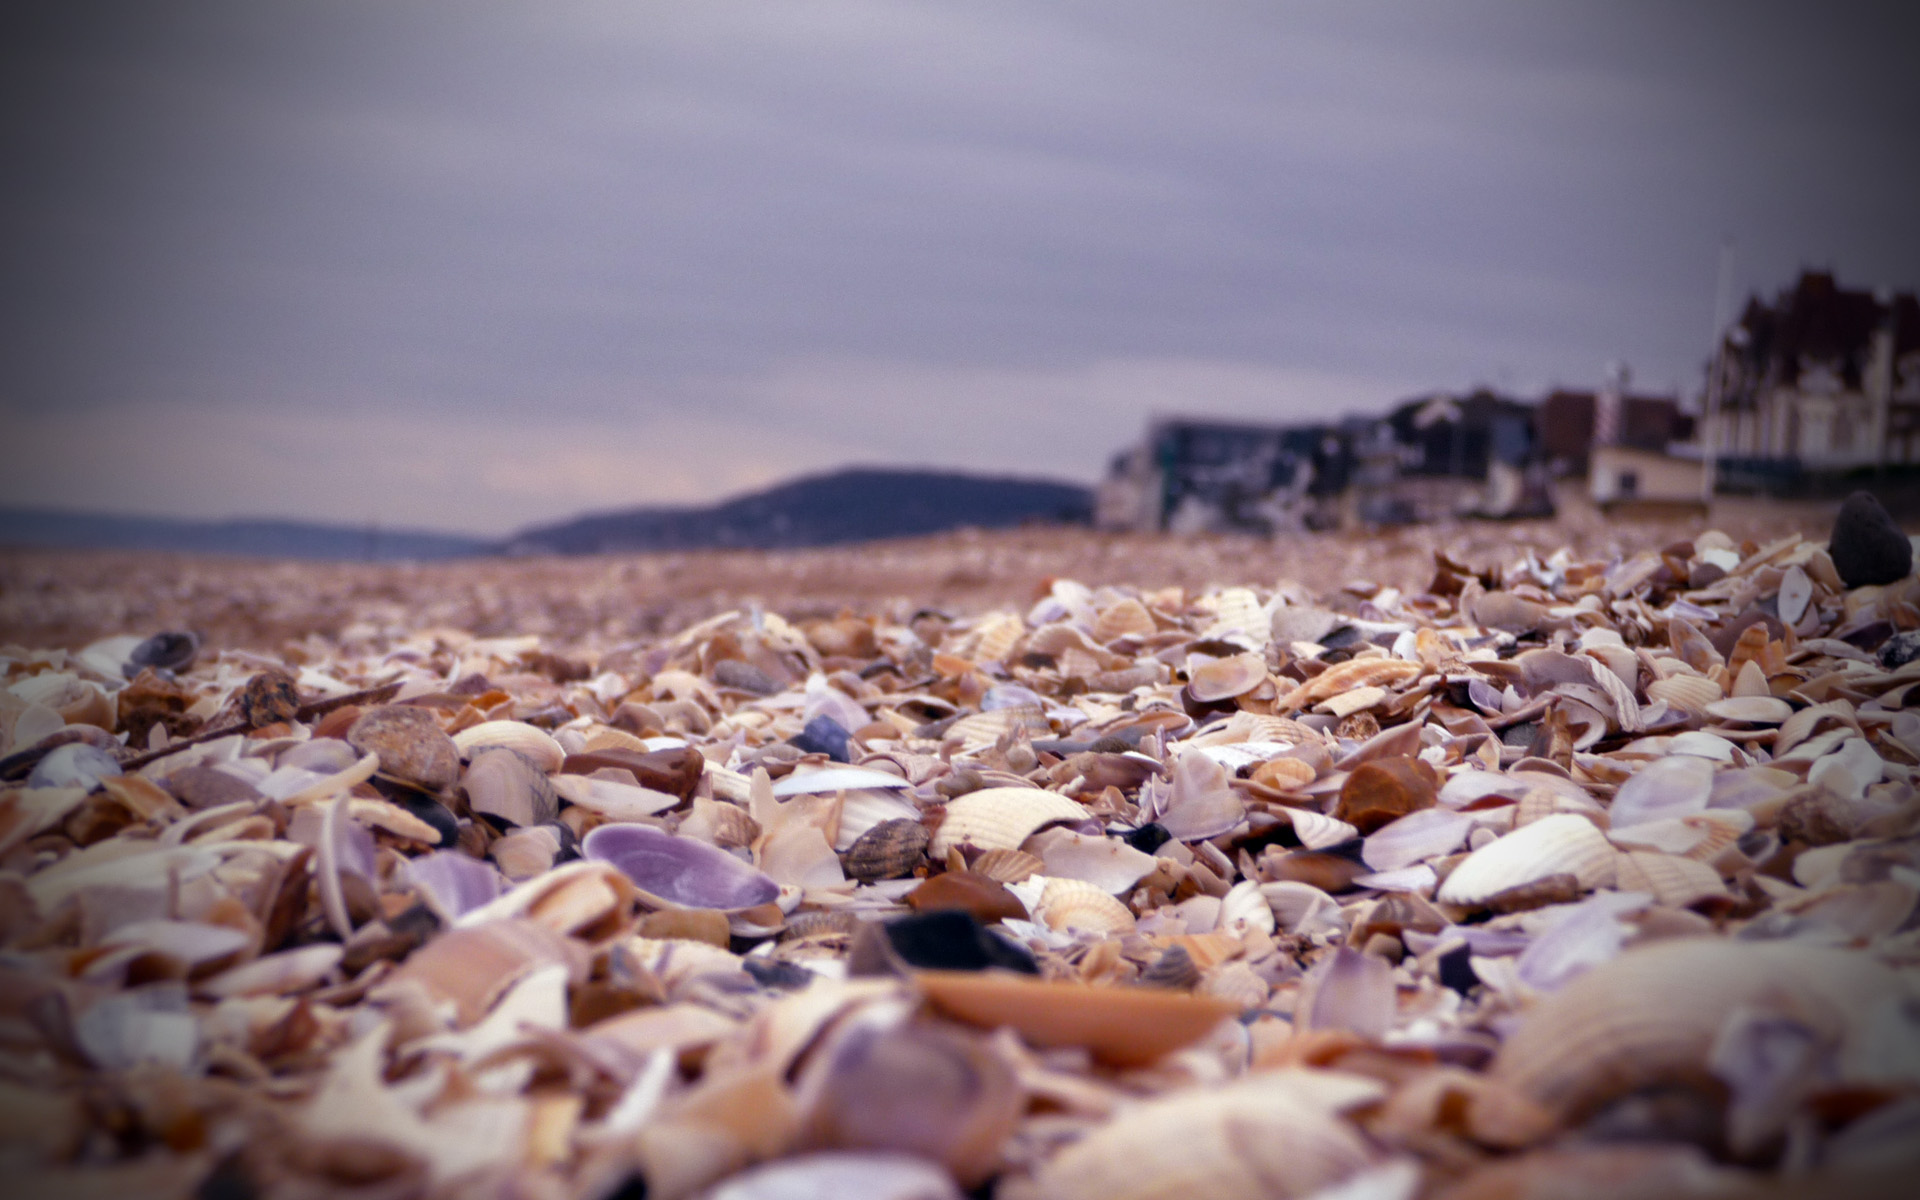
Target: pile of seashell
{"x":1568,"y":875}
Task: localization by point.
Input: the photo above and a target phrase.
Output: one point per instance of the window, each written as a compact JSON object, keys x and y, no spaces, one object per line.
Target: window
{"x":1629,"y":483}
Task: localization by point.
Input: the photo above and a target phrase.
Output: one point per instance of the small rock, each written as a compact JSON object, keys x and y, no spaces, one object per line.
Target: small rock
{"x":1866,"y":546}
{"x":410,"y":743}
{"x":268,"y":698}
{"x":943,"y":940}
{"x":205,"y":787}
{"x":1900,"y":649}
{"x":1149,"y":837}
{"x":986,"y":899}
{"x":824,"y":735}
{"x":743,"y":676}
{"x":1385,"y":790}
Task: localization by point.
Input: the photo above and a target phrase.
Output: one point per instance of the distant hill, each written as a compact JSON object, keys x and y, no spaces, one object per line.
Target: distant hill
{"x":255,"y":539}
{"x":855,"y":505}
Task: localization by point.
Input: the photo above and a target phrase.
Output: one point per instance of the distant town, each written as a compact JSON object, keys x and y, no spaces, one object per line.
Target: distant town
{"x":1809,"y":395}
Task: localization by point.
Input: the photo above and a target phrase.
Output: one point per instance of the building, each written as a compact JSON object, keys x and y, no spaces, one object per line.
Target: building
{"x":1641,"y":482}
{"x":1196,"y":476}
{"x":1570,"y":423}
{"x":1824,"y":380}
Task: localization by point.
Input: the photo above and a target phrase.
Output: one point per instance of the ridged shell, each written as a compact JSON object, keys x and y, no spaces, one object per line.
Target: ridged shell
{"x":889,"y":850}
{"x":1212,"y":679}
{"x":1359,"y":673}
{"x":1271,"y":1134}
{"x":536,"y":743}
{"x":1237,"y":984}
{"x":1672,"y":880}
{"x":605,"y":737}
{"x":1689,"y":693}
{"x":1284,"y":774}
{"x":1007,"y":866}
{"x":1123,"y":618}
{"x":1237,"y":613}
{"x":1076,"y":904}
{"x":1000,"y":818}
{"x":1556,"y":844}
{"x":992,"y":637}
{"x":1317,"y":831}
{"x":984,"y":729}
{"x":1652,"y":1015}
{"x":1173,"y":968}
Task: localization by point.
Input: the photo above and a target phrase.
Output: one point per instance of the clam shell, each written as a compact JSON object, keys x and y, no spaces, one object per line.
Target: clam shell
{"x":1000,"y":818}
{"x":677,"y":872}
{"x":613,"y":800}
{"x":1007,"y":866}
{"x":1283,"y":774}
{"x":1125,"y":1027}
{"x":889,"y":850}
{"x":1652,"y":1015}
{"x":1237,"y":613}
{"x":1796,"y":591}
{"x":1123,"y":618}
{"x":1674,"y":881}
{"x":1211,"y":679}
{"x":1276,"y":1133}
{"x":1562,"y":843}
{"x":1317,"y":831}
{"x":1070,"y":904}
{"x":1106,"y":862}
{"x":1676,"y":786}
{"x":1689,"y":693}
{"x":1358,"y":673}
{"x":1755,"y":710}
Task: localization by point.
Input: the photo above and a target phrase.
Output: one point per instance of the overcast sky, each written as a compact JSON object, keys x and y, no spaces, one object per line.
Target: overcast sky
{"x":472,"y":265}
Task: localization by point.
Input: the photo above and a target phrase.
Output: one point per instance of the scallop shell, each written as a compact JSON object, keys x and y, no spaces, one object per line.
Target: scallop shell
{"x":1653,"y":1014}
{"x":1689,"y":693}
{"x":536,"y":743}
{"x":1007,"y":866}
{"x":1276,"y":1133}
{"x":1211,"y":679}
{"x":1076,"y":904}
{"x":1673,"y":881}
{"x":1123,"y":618}
{"x":1754,"y":710}
{"x":1358,"y":673}
{"x":1553,"y":845}
{"x":1000,"y":818}
{"x":1237,"y":613}
{"x":985,"y":728}
{"x":889,"y":850}
{"x":992,"y":637}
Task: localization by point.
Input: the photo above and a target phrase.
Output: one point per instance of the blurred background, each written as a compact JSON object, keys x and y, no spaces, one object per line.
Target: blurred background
{"x":420,"y":279}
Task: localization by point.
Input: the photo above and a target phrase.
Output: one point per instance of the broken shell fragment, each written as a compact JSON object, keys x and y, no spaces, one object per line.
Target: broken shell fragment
{"x":1127,"y":1027}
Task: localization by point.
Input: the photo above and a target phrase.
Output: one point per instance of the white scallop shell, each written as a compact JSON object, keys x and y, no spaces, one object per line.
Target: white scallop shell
{"x":1067,"y":904}
{"x":1674,"y":881}
{"x":1562,"y":843}
{"x":1001,"y":818}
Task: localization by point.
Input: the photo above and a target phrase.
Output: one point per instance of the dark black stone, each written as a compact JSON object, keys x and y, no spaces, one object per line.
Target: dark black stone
{"x":1456,"y":972}
{"x":1900,"y":649}
{"x":952,"y":940}
{"x":781,"y":976}
{"x":824,"y":735}
{"x":421,"y":805}
{"x":1867,"y":547}
{"x":163,"y":652}
{"x":1149,"y":837}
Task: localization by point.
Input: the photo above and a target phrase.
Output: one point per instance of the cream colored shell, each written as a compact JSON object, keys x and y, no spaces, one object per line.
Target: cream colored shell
{"x":1554,"y":844}
{"x":532,"y":741}
{"x":1001,"y":818}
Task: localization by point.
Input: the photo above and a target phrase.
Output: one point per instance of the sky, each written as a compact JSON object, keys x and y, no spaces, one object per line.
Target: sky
{"x":472,"y":266}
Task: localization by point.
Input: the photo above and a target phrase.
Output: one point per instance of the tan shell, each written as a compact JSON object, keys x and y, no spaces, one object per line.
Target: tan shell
{"x":1689,"y":693}
{"x":1077,"y":904}
{"x":1275,"y":1133}
{"x":1007,"y":866}
{"x":1123,"y":618}
{"x":1553,"y":845}
{"x":992,"y":637}
{"x":1126,"y":1027}
{"x":605,"y":737}
{"x":985,"y":728}
{"x":1223,"y":678}
{"x":1652,"y":1014}
{"x":1284,"y":774}
{"x":1674,"y":881}
{"x":1357,"y":673}
{"x":1350,"y":702}
{"x":1755,"y":710}
{"x":1000,"y":818}
{"x":536,"y":743}
{"x":1237,"y":613}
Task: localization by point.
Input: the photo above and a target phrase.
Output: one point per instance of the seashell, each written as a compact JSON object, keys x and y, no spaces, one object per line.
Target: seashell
{"x":1106,"y":862}
{"x":677,"y":872}
{"x":1199,"y":801}
{"x":1809,"y":721}
{"x":1074,"y":904}
{"x":505,"y":784}
{"x":528,"y":851}
{"x":889,"y":850}
{"x":830,"y":1175}
{"x":1385,"y":790}
{"x":1123,"y":1027}
{"x":1552,"y":845}
{"x":1301,"y":623}
{"x":862,"y":809}
{"x":1357,"y":673}
{"x":452,"y":883}
{"x":1754,"y":710}
{"x":1560,"y":888}
{"x":676,"y":771}
{"x":1274,"y":1133}
{"x":470,"y":968}
{"x":280,"y":974}
{"x":1123,"y":618}
{"x":1652,"y":1015}
{"x":1689,"y":693}
{"x":935,"y":1091}
{"x":410,"y":744}
{"x":1283,"y":774}
{"x":1673,"y":881}
{"x":1317,"y":831}
{"x":1211,"y":679}
{"x":1421,"y":835}
{"x":1244,"y":910}
{"x":1348,"y":703}
{"x":613,"y":800}
{"x":992,"y":637}
{"x":1677,"y":786}
{"x":1001,"y":818}
{"x":74,"y":765}
{"x":1235,"y":983}
{"x":1237,"y":613}
{"x":804,"y":781}
{"x":537,"y":744}
{"x":983,"y":729}
{"x":605,"y":737}
{"x":986,"y":900}
{"x":1007,"y":866}
{"x":1172,"y":968}
{"x":1508,"y":612}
